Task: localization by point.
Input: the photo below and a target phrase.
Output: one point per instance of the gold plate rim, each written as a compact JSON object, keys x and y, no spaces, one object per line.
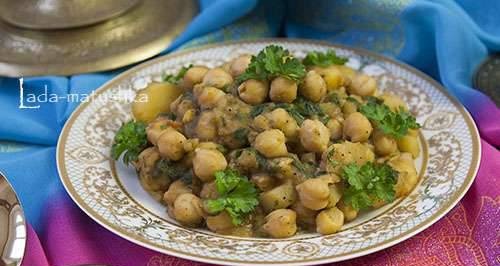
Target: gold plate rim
{"x":451,"y":202}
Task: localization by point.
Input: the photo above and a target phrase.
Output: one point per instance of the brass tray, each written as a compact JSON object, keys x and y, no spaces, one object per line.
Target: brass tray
{"x":139,"y":34}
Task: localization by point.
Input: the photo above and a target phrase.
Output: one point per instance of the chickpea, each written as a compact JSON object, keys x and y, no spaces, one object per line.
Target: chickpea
{"x":246,"y":162}
{"x":363,"y":85}
{"x":219,"y":222}
{"x":283,"y":90}
{"x":197,"y":90}
{"x":263,"y":181}
{"x":176,"y":188}
{"x":278,"y":198}
{"x":394,"y":102}
{"x":281,"y":223}
{"x":349,"y":107}
{"x":349,"y":212}
{"x":218,"y":78}
{"x":253,"y":91}
{"x":384,"y":144}
{"x":154,"y":183}
{"x":314,"y":193}
{"x":239,"y":65}
{"x":357,"y":127}
{"x":332,"y":76}
{"x":194,"y":76}
{"x":171,"y":144}
{"x":261,"y":123}
{"x":335,"y":128}
{"x":329,"y":221}
{"x":188,"y":210}
{"x":314,"y":136}
{"x":271,"y":143}
{"x":314,"y":87}
{"x":206,"y":162}
{"x":407,"y":178}
{"x":282,"y":120}
{"x":209,"y":97}
{"x":209,"y":191}
{"x":155,"y":129}
{"x":206,"y":129}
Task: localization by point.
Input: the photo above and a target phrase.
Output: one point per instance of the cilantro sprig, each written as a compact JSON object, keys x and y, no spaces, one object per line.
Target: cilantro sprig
{"x":323,"y":59}
{"x":392,"y":123}
{"x":130,"y":140}
{"x":368,"y":183}
{"x":237,"y":195}
{"x":271,"y":62}
{"x":175,"y":79}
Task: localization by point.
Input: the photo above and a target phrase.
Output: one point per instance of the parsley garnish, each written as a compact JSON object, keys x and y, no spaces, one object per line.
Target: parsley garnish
{"x":237,"y":196}
{"x":395,"y":124}
{"x":271,"y":62}
{"x":368,"y":184}
{"x":130,"y":140}
{"x":324,"y":59}
{"x":175,"y":79}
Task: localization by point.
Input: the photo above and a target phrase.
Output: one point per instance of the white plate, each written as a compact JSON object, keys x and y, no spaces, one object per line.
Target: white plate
{"x":110,"y":193}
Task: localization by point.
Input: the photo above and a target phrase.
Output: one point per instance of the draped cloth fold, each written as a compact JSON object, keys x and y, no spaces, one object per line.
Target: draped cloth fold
{"x":445,"y":39}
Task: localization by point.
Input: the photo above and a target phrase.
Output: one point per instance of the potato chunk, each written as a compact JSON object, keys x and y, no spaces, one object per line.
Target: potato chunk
{"x":153,"y":100}
{"x":278,"y":198}
{"x":407,"y":178}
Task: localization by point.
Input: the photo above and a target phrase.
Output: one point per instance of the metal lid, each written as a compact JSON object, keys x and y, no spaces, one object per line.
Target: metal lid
{"x":141,"y":33}
{"x":61,"y":14}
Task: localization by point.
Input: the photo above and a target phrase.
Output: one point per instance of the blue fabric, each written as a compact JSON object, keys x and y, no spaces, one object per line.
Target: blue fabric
{"x":445,"y":39}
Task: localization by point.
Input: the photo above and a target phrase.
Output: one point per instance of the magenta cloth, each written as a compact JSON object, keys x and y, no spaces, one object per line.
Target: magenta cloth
{"x":468,"y":235}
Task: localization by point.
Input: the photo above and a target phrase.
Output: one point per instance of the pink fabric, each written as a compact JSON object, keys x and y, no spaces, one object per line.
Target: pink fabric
{"x":468,"y":235}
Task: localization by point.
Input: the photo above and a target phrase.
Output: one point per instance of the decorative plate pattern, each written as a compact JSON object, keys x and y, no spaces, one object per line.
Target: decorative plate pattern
{"x":112,"y":196}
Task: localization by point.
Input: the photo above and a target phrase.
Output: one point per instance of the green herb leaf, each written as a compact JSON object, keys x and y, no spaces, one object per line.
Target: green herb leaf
{"x":237,"y":195}
{"x":130,"y":140}
{"x":368,"y":184}
{"x":395,"y":124}
{"x":271,"y":62}
{"x":175,"y":79}
{"x":323,"y":59}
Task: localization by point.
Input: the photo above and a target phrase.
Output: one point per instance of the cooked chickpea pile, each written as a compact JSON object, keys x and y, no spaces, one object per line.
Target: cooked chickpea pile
{"x":294,"y":138}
